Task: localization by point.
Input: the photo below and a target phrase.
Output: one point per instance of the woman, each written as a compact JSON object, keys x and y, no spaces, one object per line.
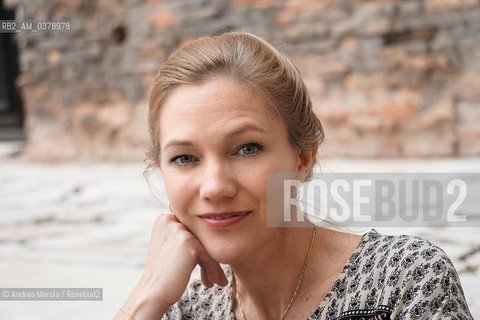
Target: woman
{"x":225,"y":111}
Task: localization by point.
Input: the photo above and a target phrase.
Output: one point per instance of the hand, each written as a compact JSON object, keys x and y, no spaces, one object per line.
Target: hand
{"x":172,"y":255}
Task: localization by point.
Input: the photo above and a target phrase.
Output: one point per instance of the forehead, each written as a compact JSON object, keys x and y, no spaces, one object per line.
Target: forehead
{"x":218,"y":104}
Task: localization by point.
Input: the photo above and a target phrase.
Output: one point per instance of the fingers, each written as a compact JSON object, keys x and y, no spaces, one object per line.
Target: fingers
{"x":205,"y":279}
{"x":211,"y":270}
{"x":219,"y":275}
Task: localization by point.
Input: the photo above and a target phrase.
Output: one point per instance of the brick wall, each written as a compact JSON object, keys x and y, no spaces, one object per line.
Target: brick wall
{"x":388,"y":78}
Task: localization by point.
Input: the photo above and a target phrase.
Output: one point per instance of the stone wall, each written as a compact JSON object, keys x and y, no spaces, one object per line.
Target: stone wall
{"x":388,"y":78}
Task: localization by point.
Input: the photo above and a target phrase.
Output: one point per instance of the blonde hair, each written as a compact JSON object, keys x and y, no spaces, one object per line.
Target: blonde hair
{"x":252,"y":62}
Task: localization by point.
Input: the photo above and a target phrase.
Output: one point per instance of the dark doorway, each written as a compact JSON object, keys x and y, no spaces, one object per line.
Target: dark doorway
{"x":11,"y":109}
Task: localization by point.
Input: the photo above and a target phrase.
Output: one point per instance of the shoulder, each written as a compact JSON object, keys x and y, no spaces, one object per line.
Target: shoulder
{"x":399,"y":253}
{"x":405,"y":253}
{"x":381,"y":253}
{"x":201,"y":302}
{"x":413,"y":259}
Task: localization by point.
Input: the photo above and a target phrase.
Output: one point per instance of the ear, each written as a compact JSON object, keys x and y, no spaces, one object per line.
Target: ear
{"x":305,"y":161}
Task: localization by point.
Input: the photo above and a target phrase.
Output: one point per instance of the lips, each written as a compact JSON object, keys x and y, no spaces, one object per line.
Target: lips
{"x":223,"y":216}
{"x":224,"y":219}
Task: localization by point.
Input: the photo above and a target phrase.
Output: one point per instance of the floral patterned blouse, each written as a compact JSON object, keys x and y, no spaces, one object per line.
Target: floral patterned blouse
{"x":387,"y":277}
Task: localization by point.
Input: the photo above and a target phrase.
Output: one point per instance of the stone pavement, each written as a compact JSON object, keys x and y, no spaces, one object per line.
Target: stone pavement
{"x":80,"y":225}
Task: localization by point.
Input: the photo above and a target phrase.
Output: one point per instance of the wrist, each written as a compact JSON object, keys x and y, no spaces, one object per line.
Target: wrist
{"x":144,"y":306}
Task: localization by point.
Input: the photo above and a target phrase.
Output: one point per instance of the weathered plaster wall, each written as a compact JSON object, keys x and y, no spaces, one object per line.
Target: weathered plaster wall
{"x":388,"y":78}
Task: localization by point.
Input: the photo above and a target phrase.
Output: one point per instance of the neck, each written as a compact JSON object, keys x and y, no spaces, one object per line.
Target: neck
{"x":269,"y":278}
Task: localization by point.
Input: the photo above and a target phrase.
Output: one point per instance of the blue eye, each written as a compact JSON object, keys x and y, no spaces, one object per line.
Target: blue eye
{"x":183,"y":160}
{"x":249,"y":149}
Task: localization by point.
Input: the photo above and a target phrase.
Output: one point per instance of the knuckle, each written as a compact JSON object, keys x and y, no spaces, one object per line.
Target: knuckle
{"x":186,"y":239}
{"x":162,"y":219}
{"x":190,"y":244}
{"x":159,"y":219}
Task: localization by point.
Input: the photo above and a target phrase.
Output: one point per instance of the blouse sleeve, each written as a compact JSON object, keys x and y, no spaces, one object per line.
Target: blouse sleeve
{"x":431,"y":290}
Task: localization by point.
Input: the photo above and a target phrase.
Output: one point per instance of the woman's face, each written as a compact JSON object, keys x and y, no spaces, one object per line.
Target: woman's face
{"x":219,"y":141}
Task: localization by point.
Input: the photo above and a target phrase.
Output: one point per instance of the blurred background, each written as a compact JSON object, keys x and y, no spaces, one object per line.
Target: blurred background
{"x":396,"y":84}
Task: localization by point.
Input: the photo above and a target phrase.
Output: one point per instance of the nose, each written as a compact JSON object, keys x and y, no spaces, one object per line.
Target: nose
{"x":217,"y":181}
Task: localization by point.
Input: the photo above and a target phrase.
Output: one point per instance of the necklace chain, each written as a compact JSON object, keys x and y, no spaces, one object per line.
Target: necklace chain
{"x":299,"y":283}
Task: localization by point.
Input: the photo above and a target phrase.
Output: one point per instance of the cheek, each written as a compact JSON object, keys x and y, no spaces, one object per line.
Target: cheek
{"x":179,"y":191}
{"x":253,"y":179}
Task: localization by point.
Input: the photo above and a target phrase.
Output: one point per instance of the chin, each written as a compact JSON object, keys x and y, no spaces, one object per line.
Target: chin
{"x":225,"y":252}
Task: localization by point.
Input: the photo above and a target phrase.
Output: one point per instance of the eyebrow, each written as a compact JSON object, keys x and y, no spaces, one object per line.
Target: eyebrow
{"x":238,"y":131}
